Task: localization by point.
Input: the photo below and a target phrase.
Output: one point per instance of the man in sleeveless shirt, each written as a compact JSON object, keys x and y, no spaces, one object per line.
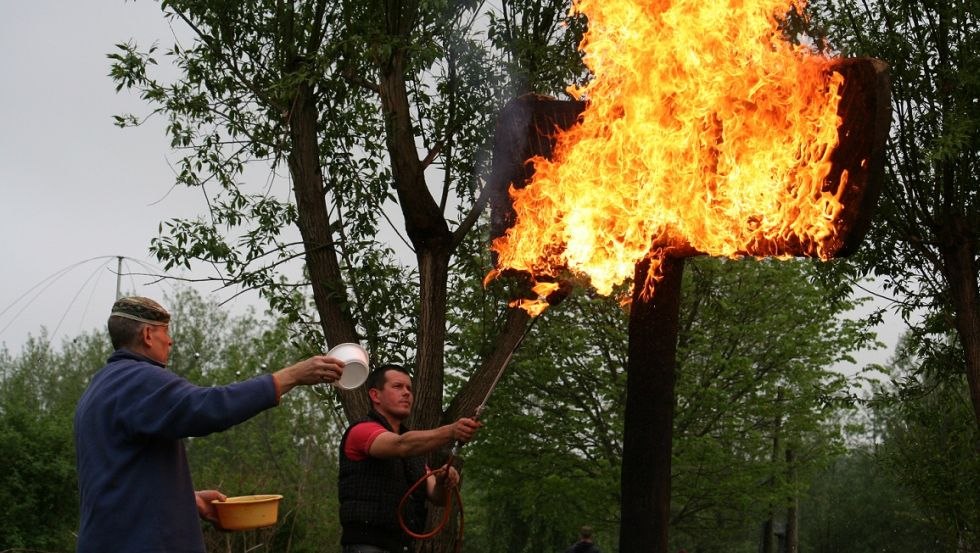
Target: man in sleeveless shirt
{"x":381,"y":458}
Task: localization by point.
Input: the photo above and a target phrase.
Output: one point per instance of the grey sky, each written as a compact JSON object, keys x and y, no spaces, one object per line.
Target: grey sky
{"x":73,"y":185}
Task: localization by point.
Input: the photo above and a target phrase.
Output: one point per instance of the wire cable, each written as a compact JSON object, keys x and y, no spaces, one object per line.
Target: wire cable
{"x":44,"y":284}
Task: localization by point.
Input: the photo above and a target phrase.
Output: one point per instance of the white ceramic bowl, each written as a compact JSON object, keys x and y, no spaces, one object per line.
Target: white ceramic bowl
{"x":356,"y":365}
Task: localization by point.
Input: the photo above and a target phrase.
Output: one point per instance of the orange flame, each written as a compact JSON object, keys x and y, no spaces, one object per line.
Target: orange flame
{"x":704,"y":130}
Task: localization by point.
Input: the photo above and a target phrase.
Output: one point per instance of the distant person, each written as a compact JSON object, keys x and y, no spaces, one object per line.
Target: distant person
{"x":381,"y":458}
{"x":584,"y":543}
{"x":133,"y":477}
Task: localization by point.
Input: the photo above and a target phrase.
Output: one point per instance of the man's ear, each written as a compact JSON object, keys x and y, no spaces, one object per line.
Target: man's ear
{"x":373,"y":394}
{"x":146,"y":338}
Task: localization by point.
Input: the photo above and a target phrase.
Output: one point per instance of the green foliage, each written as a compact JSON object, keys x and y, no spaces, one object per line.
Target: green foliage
{"x":756,"y":346}
{"x":230,"y":110}
{"x":926,"y":231}
{"x":930,"y":443}
{"x":537,"y":53}
{"x":38,"y":486}
{"x":38,"y":489}
{"x":914,"y":486}
{"x":385,"y":299}
{"x":857,"y":506}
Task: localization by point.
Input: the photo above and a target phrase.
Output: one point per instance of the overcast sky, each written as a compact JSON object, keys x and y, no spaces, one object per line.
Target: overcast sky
{"x":74,"y":186}
{"x":76,"y":190}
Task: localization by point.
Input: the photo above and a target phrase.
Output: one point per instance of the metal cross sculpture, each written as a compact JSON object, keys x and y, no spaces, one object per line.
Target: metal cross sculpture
{"x":527,"y":129}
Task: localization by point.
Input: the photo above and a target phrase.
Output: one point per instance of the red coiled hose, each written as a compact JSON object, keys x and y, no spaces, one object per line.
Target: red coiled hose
{"x":452,"y":493}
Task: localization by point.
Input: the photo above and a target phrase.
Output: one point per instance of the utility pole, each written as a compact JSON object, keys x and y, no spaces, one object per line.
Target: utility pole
{"x":119,"y":259}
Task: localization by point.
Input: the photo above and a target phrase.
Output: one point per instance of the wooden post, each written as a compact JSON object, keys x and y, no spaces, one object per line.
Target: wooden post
{"x":649,"y":426}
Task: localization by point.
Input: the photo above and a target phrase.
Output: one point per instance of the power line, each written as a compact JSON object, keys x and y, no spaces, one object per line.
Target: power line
{"x":32,"y":294}
{"x":75,"y":298}
{"x":40,"y":288}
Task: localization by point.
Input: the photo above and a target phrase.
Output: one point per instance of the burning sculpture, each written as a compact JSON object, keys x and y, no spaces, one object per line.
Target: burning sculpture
{"x":702,"y":131}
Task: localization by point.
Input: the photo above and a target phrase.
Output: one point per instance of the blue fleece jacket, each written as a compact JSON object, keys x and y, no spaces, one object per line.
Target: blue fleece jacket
{"x":133,"y":477}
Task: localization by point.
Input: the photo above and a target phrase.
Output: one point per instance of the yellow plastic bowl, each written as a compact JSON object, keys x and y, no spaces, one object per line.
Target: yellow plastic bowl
{"x":246,"y":512}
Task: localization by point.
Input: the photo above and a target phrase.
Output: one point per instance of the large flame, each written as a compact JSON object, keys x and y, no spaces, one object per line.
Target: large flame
{"x":704,"y":130}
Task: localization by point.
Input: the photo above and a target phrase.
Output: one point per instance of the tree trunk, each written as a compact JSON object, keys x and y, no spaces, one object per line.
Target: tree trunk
{"x":649,"y":419}
{"x":960,"y":268}
{"x":430,"y":236}
{"x":314,"y":227}
{"x":769,"y":534}
{"x":769,"y":540}
{"x":476,"y":387}
{"x":792,"y":510}
{"x":434,"y":278}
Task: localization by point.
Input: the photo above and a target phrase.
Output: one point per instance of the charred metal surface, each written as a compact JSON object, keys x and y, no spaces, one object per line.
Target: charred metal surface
{"x":526,"y":128}
{"x":865,"y":108}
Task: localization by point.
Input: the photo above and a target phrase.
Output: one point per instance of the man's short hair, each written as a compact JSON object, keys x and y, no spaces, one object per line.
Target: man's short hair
{"x":377,"y":378}
{"x":585,"y":532}
{"x":128,"y":317}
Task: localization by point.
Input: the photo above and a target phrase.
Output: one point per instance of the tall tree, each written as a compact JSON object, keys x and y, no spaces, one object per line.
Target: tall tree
{"x":910,"y":483}
{"x":380,"y":111}
{"x":929,"y":233}
{"x":368,"y":105}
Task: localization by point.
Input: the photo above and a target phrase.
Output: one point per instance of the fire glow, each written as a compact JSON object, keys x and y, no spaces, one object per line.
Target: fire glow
{"x":704,"y":131}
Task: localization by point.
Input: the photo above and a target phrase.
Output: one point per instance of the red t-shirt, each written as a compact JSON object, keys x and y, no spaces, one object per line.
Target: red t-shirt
{"x":360,"y":438}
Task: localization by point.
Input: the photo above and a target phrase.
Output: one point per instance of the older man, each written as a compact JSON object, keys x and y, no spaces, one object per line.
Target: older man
{"x":133,"y":476}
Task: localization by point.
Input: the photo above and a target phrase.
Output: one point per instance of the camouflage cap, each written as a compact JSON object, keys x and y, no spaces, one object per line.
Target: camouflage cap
{"x":140,"y":309}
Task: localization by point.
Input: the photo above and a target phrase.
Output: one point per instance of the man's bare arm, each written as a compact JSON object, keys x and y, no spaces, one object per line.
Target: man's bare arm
{"x":419,"y":442}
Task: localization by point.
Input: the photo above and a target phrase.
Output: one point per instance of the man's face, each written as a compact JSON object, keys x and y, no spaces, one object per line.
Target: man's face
{"x":395,"y":398}
{"x":157,"y":340}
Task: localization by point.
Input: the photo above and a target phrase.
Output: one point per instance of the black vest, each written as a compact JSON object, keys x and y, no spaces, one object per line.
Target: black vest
{"x":370,"y":491}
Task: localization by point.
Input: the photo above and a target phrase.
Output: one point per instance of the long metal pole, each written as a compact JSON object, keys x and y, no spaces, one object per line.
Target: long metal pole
{"x":479,"y":410}
{"x":503,"y":367}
